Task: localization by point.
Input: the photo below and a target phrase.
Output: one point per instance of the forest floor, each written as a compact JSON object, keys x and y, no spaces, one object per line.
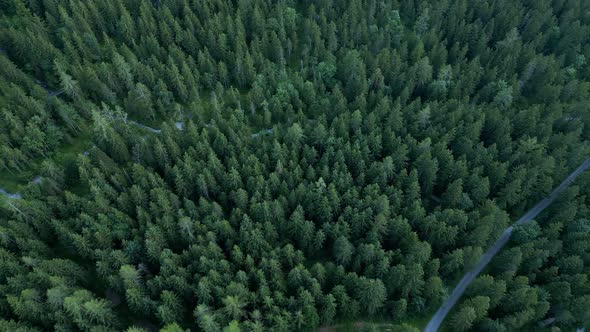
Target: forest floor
{"x":418,"y":322}
{"x":364,"y":326}
{"x":13,"y":181}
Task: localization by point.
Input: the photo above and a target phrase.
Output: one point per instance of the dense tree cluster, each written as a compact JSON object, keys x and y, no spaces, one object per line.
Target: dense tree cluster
{"x":336,"y":160}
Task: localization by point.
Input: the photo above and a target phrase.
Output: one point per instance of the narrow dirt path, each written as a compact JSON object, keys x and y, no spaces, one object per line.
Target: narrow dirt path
{"x":448,"y":304}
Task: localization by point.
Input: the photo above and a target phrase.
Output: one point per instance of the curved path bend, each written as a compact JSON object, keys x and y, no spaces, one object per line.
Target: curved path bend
{"x":444,"y":309}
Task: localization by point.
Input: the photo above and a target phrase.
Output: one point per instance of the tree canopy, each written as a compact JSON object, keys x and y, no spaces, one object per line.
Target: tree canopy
{"x":284,"y":165}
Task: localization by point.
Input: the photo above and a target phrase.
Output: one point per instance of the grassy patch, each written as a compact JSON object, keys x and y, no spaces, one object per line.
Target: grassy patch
{"x":369,"y":326}
{"x":419,"y":322}
{"x":13,"y":181}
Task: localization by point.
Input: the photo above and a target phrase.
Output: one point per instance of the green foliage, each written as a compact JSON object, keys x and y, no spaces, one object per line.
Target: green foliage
{"x":526,"y":232}
{"x":255,"y":165}
{"x":463,"y":319}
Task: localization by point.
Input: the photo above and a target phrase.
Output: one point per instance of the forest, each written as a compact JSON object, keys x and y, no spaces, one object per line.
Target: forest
{"x":258,"y":165}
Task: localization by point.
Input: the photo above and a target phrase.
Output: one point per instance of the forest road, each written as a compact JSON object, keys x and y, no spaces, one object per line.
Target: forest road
{"x":448,"y":304}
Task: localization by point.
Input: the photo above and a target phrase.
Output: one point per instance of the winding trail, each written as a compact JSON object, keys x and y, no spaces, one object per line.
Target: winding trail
{"x":141,"y":125}
{"x":262,"y":132}
{"x":50,"y":93}
{"x":448,"y":304}
{"x":9,"y":194}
